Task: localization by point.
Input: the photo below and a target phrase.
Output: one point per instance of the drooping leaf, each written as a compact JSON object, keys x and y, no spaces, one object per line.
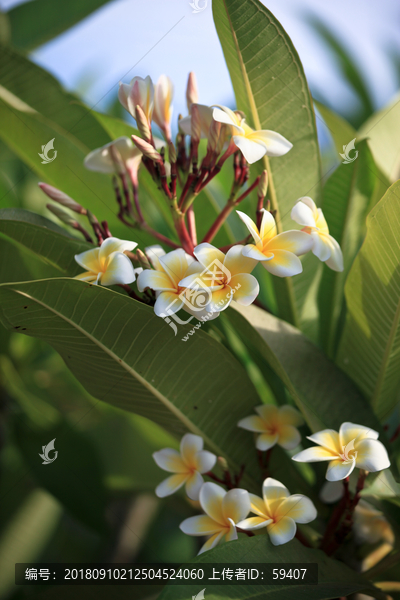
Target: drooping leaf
{"x":125,"y":355}
{"x":271,"y":89}
{"x":345,"y":203}
{"x":50,"y":20}
{"x":335,"y":579}
{"x":370,"y":346}
{"x":382,"y":130}
{"x":324,"y":394}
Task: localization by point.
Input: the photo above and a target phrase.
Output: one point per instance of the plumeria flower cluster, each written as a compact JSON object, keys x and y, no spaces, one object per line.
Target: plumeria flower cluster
{"x":228,"y":512}
{"x":194,"y":275}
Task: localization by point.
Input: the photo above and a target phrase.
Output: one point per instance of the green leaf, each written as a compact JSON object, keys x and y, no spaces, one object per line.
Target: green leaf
{"x":345,"y":203}
{"x":335,"y":579}
{"x":370,"y":347}
{"x":324,"y":394}
{"x":271,"y":88}
{"x":50,"y":20}
{"x":43,"y":239}
{"x":196,"y":386}
{"x":382,"y":130}
{"x":43,"y":93}
{"x":383,"y":486}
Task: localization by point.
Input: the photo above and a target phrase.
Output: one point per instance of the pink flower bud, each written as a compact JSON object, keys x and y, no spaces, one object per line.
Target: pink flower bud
{"x":61,"y":198}
{"x":147,"y":149}
{"x":138,"y":92}
{"x":164,"y":93}
{"x":192,"y":96}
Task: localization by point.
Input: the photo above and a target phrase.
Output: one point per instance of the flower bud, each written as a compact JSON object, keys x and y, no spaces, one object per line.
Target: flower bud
{"x":213,"y":135}
{"x":138,"y":92}
{"x":62,"y":215}
{"x":142,"y":124}
{"x":195,"y":124}
{"x":171,"y":153}
{"x":192,"y":96}
{"x":263,"y":185}
{"x":147,"y":149}
{"x":163,"y":95}
{"x":143,"y":260}
{"x":61,"y":198}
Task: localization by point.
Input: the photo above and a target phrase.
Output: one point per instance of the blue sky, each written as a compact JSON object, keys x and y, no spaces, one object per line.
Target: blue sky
{"x":141,"y":37}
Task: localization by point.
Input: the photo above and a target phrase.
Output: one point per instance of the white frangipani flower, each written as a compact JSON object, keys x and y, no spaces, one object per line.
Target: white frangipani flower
{"x":252,"y":144}
{"x":279,"y":512}
{"x":223,"y":511}
{"x":107,"y":265}
{"x":163,"y":95}
{"x":278,"y":253}
{"x":187,"y":466}
{"x":275,"y":425}
{"x":139,"y":92}
{"x":354,"y":446}
{"x":325,"y":247}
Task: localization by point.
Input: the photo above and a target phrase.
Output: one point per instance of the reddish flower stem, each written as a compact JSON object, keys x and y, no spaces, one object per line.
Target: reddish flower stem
{"x":191,"y":221}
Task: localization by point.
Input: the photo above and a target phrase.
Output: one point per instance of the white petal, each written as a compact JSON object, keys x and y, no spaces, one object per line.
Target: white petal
{"x":251,"y":226}
{"x":205,"y":461}
{"x":236,"y":505}
{"x":337,"y":470}
{"x":294,"y":241}
{"x":335,"y":262}
{"x":252,"y":423}
{"x":235,"y":262}
{"x":282,"y":532}
{"x":372,"y":456}
{"x":199,"y":525}
{"x":190,"y":445}
{"x":113,"y":244}
{"x":175,"y":264}
{"x":170,"y":460}
{"x":185,"y":125}
{"x":273,"y":490}
{"x":212,"y":542}
{"x":207,"y":254}
{"x":289,"y":437}
{"x":228,"y":117}
{"x":284,"y":264}
{"x":265,"y":441}
{"x":299,"y":508}
{"x":255,"y":253}
{"x":89,"y":260}
{"x":211,"y":496}
{"x":253,"y":523}
{"x":275,"y":143}
{"x":171,"y":485}
{"x":288,"y":415}
{"x":303,"y":214}
{"x":268,"y":225}
{"x":314,"y":454}
{"x":352,"y":432}
{"x":251,"y":150}
{"x":119,"y":270}
{"x":321,"y":248}
{"x":193,"y":485}
{"x":328,"y":438}
{"x":167,"y":303}
{"x":232,"y":533}
{"x":155,"y":280}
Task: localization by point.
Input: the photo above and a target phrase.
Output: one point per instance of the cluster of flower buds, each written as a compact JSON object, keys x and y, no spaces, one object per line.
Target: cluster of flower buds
{"x":195,"y":275}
